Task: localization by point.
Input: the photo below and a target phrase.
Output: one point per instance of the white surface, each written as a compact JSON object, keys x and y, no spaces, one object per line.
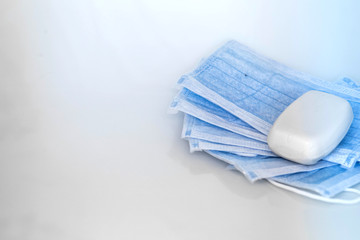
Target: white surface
{"x":310,"y":127}
{"x":87,"y":148}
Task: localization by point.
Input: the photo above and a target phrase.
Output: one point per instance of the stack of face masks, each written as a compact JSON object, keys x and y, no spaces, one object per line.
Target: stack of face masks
{"x":231,"y":101}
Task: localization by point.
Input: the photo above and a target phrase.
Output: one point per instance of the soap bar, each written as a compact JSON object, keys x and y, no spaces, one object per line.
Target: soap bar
{"x":310,"y":127}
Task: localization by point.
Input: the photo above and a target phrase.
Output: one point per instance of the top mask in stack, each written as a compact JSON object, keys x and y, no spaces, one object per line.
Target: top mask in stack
{"x":232,"y":99}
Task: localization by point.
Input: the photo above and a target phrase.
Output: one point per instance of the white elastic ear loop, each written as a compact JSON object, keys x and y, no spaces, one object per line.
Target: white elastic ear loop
{"x":318,"y":197}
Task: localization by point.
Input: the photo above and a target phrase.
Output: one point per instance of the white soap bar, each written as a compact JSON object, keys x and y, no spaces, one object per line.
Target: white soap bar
{"x":310,"y":127}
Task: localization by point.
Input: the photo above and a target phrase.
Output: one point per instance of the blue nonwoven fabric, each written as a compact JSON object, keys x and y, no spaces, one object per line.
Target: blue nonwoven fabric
{"x":256,"y":90}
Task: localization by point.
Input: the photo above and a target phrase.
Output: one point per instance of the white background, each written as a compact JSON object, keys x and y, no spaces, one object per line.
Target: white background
{"x":87,"y":148}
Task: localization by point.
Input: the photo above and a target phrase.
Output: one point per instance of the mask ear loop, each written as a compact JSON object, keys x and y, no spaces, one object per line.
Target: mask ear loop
{"x":318,"y":197}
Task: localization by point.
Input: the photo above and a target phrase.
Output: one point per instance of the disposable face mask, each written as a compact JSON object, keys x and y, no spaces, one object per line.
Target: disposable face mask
{"x":324,"y":178}
{"x":310,"y":194}
{"x":197,"y":106}
{"x":196,"y":128}
{"x":200,"y":145}
{"x":327,"y":182}
{"x":210,"y":137}
{"x":214,"y":134}
{"x":204,"y":136}
{"x":186,"y":101}
{"x":256,"y":168}
{"x":257,"y":90}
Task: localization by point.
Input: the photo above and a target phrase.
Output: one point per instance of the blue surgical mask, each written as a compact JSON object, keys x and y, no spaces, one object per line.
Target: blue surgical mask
{"x":197,"y":106}
{"x":321,"y":181}
{"x":204,"y":101}
{"x":196,"y":128}
{"x":201,"y":145}
{"x":256,"y":168}
{"x":257,"y":90}
{"x":327,"y":182}
{"x":210,"y":137}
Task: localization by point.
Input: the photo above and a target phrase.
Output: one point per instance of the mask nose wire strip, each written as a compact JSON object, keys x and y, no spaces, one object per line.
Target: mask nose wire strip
{"x":318,"y":197}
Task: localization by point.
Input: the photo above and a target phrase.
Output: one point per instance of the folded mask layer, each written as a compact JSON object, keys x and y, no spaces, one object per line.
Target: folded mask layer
{"x":200,"y":145}
{"x":197,"y":106}
{"x":255,"y":168}
{"x":232,"y":139}
{"x":256,"y":90}
{"x":196,"y":128}
{"x":327,"y":181}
